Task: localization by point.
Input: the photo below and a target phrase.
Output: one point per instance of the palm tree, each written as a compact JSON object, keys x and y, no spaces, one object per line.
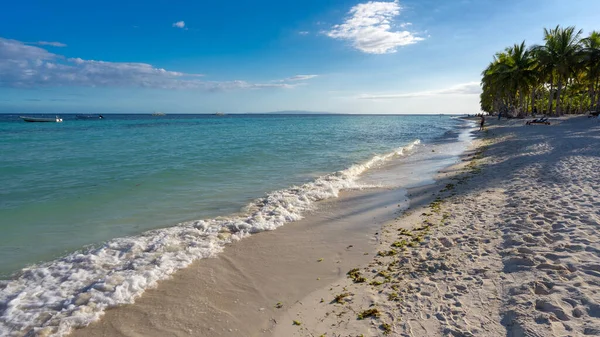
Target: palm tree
{"x":495,"y":84}
{"x":591,"y":64}
{"x":510,"y":77}
{"x":522,"y":71}
{"x":545,"y":73}
{"x":561,"y":52}
{"x":565,"y":70}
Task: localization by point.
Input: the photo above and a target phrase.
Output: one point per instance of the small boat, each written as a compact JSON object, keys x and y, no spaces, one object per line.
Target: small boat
{"x":158,"y":113}
{"x":220,"y":114}
{"x":89,"y":117}
{"x":42,"y":119}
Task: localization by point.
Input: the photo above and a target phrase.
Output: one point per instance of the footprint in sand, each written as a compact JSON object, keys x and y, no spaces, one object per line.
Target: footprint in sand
{"x":546,"y":306}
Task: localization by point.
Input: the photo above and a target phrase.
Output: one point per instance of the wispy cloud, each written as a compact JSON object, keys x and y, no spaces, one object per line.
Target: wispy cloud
{"x":299,"y":78}
{"x":26,"y":66}
{"x":470,"y":88}
{"x":179,"y":24}
{"x":303,"y":32}
{"x":50,"y":43}
{"x":369,"y":28}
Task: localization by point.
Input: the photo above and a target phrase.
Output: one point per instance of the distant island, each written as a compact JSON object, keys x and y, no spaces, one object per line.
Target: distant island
{"x":300,"y":112}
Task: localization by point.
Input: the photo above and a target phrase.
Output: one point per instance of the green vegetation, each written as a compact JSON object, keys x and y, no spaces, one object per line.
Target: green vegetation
{"x":341,"y":298}
{"x":405,"y":232}
{"x":560,"y":76}
{"x":393,"y":297}
{"x":369,"y":313}
{"x":391,"y":252}
{"x":376,"y":283}
{"x":400,"y":244}
{"x":448,"y":187}
{"x":386,"y":328}
{"x":436,"y":205}
{"x":355,"y":275}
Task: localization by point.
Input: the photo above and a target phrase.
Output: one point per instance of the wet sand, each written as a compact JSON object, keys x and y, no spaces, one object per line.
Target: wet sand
{"x":236,"y":293}
{"x":248,"y":289}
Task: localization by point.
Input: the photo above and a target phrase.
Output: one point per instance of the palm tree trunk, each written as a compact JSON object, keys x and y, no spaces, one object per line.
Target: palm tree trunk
{"x":532,"y":101}
{"x":558,"y":92}
{"x":592,"y":95}
{"x":521,"y":101}
{"x":568,"y":100}
{"x":497,"y":101}
{"x":596,"y":89}
{"x":550,"y":97}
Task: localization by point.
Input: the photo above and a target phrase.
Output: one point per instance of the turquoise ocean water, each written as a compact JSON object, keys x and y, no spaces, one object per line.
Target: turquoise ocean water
{"x":77,"y":198}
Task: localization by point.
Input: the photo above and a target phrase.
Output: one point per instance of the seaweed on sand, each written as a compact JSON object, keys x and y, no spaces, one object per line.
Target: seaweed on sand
{"x":341,"y":298}
{"x":355,"y":275}
{"x":369,"y":313}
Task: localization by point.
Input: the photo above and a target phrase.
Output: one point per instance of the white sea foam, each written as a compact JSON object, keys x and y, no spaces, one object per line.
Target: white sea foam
{"x":52,"y":298}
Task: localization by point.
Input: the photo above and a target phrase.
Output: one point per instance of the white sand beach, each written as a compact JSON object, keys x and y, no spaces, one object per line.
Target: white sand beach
{"x":511,"y":248}
{"x":506,"y":243}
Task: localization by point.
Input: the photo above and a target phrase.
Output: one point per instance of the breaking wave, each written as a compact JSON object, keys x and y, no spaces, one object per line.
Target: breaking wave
{"x":52,"y":298}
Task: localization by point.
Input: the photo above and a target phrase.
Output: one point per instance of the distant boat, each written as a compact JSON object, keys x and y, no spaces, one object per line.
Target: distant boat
{"x":220,"y":114}
{"x":42,"y":119}
{"x":158,"y":113}
{"x":89,"y":117}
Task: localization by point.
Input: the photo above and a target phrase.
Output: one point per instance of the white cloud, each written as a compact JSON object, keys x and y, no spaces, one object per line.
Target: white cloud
{"x":470,"y":88}
{"x":369,"y":28}
{"x":303,"y":32}
{"x":25,"y":66}
{"x":16,"y":50}
{"x":179,"y":24}
{"x":238,"y":84}
{"x":299,"y":78}
{"x":50,"y":43}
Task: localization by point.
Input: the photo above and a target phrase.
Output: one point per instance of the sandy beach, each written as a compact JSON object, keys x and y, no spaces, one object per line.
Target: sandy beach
{"x":506,"y":242}
{"x":300,"y":169}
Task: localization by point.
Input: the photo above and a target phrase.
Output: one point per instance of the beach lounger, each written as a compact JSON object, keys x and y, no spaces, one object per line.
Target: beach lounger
{"x":543,"y":121}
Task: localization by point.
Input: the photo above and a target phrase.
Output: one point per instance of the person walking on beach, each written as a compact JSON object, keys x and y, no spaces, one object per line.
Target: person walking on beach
{"x":482,"y":123}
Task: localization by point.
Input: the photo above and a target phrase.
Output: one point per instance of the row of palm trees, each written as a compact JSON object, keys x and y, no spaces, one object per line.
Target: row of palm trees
{"x":560,"y":76}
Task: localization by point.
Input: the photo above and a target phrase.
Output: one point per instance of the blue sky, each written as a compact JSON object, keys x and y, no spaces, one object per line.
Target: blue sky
{"x":406,"y":56}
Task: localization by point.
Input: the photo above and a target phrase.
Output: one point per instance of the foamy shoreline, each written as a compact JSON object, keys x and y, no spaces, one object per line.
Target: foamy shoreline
{"x":221,"y":293}
{"x":54,"y":297}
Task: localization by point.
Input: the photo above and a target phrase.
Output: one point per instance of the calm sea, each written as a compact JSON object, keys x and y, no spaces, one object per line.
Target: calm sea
{"x":89,"y":209}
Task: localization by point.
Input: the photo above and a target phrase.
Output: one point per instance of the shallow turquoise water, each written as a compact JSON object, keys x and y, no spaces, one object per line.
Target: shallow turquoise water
{"x":67,"y":185}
